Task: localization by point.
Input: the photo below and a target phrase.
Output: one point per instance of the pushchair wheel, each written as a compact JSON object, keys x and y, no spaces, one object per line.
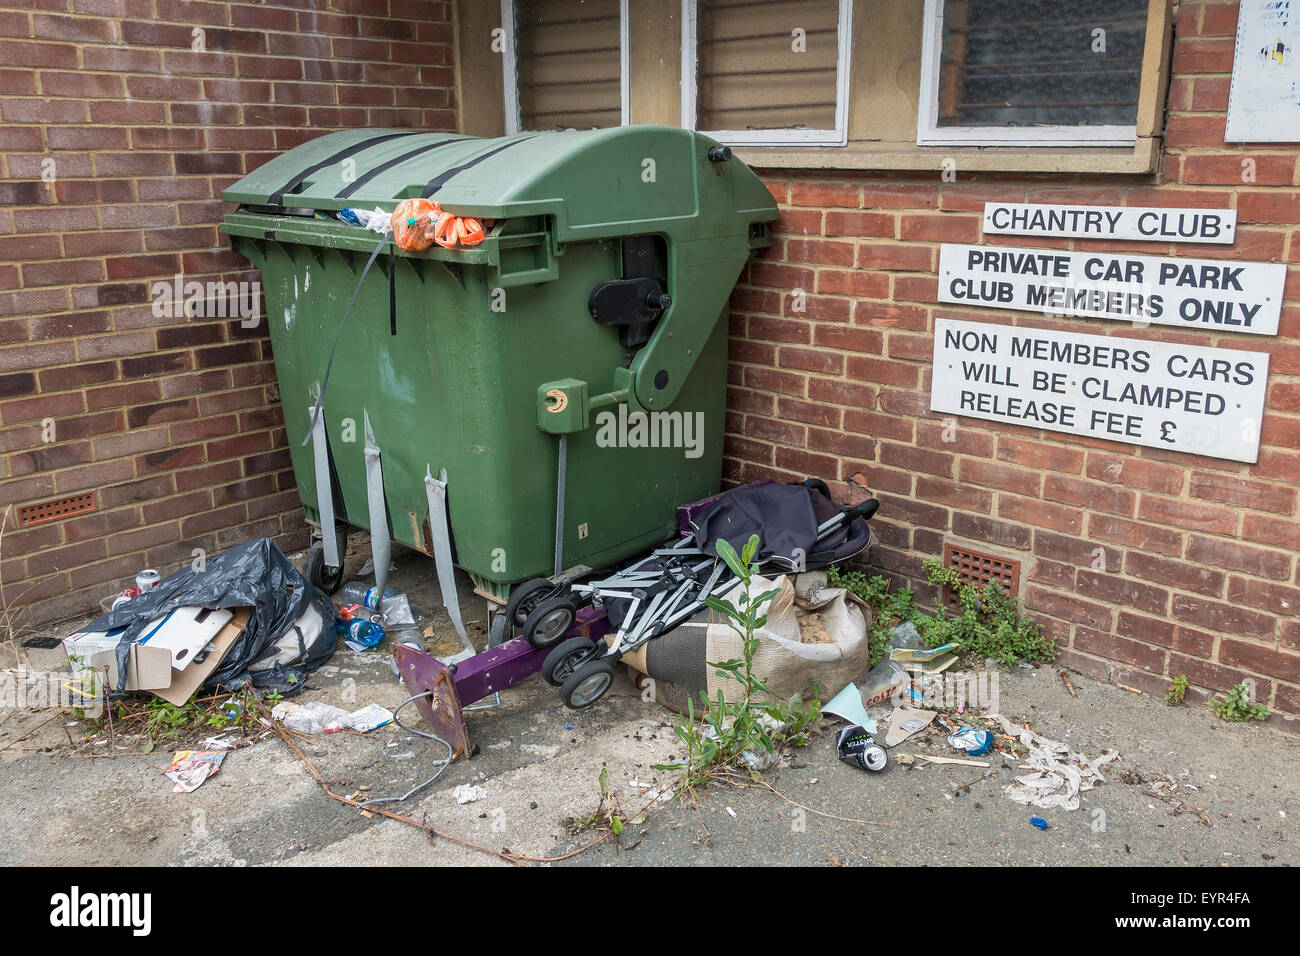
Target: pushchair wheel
{"x":587,"y":684}
{"x":548,"y":622}
{"x":526,"y":597}
{"x":566,"y":657}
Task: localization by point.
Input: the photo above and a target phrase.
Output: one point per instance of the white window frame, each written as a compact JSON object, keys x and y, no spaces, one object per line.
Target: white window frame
{"x":510,"y":66}
{"x":930,"y":133}
{"x":839,"y":136}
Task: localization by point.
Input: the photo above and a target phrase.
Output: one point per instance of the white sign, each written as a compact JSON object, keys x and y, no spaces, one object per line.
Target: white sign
{"x":1205,"y":401}
{"x":1264,"y":99}
{"x":1187,"y":293}
{"x":1111,"y":222}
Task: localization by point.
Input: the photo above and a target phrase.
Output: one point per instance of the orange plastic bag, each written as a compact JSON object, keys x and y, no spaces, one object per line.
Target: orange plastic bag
{"x":418,"y":223}
{"x":413,"y":223}
{"x":452,"y":230}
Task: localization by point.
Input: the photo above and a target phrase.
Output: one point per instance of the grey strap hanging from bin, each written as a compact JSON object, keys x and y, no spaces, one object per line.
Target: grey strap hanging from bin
{"x":560,"y":476}
{"x":325,"y":493}
{"x":381,"y":547}
{"x":338,"y":333}
{"x":440,"y":528}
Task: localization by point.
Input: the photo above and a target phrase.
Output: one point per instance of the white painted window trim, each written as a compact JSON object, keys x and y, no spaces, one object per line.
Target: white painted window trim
{"x":929,"y":133}
{"x":839,"y":136}
{"x":510,"y":66}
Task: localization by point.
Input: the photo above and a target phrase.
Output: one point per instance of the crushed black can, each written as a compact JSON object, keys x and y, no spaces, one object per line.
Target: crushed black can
{"x":857,"y":747}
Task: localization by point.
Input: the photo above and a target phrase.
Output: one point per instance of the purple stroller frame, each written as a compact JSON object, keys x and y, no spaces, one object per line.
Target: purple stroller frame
{"x":445,"y":691}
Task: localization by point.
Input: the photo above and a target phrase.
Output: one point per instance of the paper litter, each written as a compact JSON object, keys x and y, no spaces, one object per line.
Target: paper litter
{"x":468,"y":793}
{"x":190,"y":768}
{"x":1059,"y":776}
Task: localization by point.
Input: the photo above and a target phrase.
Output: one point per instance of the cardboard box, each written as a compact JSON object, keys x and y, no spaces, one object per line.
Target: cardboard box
{"x":187,"y":680}
{"x":149,"y":667}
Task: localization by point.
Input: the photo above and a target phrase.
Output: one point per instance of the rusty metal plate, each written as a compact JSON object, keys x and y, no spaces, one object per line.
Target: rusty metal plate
{"x":442,"y":708}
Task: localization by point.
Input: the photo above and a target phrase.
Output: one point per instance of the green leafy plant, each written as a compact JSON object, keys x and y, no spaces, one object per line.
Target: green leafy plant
{"x":1238,"y":705}
{"x":609,"y":812}
{"x":889,"y":607}
{"x":166,"y":720}
{"x":757,"y":723}
{"x":987,"y":622}
{"x":1177,"y":690}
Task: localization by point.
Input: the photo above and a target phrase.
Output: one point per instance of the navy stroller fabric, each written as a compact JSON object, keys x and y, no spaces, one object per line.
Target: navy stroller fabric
{"x":785,"y":517}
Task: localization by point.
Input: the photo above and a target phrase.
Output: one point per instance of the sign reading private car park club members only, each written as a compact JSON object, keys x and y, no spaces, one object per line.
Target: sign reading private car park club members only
{"x":1111,"y":222}
{"x":1216,"y":295}
{"x":1205,"y":401}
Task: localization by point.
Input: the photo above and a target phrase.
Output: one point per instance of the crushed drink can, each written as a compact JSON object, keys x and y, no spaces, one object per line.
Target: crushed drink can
{"x":128,"y":594}
{"x":974,"y":742}
{"x":146,"y":579}
{"x":857,"y":747}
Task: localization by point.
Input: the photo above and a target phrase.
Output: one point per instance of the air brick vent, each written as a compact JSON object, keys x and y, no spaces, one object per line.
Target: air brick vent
{"x":56,"y":510}
{"x":978,"y":568}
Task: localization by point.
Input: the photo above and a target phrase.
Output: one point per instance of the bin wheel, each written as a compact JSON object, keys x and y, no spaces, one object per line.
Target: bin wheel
{"x":548,"y":622}
{"x":319,"y":573}
{"x":499,"y":633}
{"x":526,"y":597}
{"x":565,"y":658}
{"x":875,"y":758}
{"x":587,"y":684}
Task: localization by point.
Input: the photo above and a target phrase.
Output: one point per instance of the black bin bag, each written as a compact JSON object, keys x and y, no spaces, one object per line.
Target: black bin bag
{"x":281,"y":643}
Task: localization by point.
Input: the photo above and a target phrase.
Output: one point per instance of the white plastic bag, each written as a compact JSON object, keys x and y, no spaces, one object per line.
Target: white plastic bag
{"x":317,"y":717}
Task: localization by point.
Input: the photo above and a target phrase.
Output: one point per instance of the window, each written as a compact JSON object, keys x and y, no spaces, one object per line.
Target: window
{"x":767,"y":72}
{"x":1031,"y":72}
{"x":565,"y":64}
{"x":987,"y":84}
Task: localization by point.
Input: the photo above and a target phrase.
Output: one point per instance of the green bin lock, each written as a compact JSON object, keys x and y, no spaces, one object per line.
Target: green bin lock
{"x":562,"y":407}
{"x":595,"y":280}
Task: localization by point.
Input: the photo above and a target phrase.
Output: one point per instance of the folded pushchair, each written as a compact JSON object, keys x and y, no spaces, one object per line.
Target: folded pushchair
{"x":800,"y":528}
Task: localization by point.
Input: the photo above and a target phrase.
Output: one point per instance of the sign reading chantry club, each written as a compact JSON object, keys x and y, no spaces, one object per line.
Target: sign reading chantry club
{"x":1206,"y":401}
{"x":1208,"y":294}
{"x":1111,"y":222}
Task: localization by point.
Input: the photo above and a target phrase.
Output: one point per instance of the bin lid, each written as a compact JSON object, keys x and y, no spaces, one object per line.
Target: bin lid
{"x":592,"y":181}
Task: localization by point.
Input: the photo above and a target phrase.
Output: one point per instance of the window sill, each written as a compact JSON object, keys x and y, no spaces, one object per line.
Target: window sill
{"x":1139,"y":159}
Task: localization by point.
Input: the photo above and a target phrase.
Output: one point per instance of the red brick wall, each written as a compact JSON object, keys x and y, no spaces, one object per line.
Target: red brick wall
{"x":175,"y":422}
{"x":1200,"y":554}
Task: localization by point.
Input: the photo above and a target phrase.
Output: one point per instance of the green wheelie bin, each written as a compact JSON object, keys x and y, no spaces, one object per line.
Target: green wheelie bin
{"x":535,"y":403}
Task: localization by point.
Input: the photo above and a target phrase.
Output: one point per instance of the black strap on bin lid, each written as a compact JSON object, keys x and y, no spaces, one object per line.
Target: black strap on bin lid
{"x":277,"y":197}
{"x":356,"y":184}
{"x":433,"y":185}
{"x":392,"y":292}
